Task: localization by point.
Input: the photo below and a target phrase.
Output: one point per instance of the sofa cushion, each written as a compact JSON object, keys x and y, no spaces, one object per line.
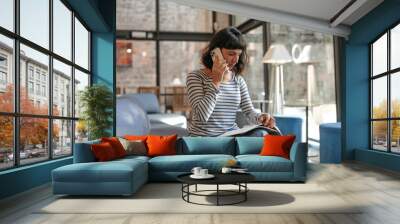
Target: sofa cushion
{"x":249,"y":145}
{"x":83,"y":152}
{"x":206,"y":145}
{"x":112,"y":171}
{"x":277,"y":145}
{"x":103,"y":151}
{"x":185,"y":163}
{"x":161,"y":145}
{"x":130,"y":158}
{"x":134,"y":147}
{"x":116,"y":145}
{"x":257,"y":163}
{"x":136,"y":137}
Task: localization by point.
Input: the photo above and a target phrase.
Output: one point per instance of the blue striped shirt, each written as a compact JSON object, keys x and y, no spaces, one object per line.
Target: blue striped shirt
{"x":214,"y":109}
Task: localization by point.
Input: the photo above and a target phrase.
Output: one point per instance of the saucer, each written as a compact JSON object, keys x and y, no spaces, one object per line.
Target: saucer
{"x":208,"y":176}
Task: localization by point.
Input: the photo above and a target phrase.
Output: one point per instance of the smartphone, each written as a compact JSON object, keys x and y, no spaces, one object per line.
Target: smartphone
{"x":216,"y":53}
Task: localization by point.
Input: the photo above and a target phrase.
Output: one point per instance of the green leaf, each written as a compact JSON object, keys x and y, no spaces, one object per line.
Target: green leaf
{"x":96,"y":103}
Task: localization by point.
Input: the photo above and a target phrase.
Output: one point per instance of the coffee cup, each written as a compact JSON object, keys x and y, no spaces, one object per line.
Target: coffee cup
{"x":196,"y":170}
{"x":203,"y":172}
{"x":226,"y":170}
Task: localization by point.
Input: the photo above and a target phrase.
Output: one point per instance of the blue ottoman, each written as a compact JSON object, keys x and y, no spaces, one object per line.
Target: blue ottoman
{"x":330,"y":147}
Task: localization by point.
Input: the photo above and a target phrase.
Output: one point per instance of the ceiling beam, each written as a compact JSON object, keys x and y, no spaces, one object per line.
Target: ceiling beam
{"x":249,"y":25}
{"x":268,"y":15}
{"x":346,"y":12}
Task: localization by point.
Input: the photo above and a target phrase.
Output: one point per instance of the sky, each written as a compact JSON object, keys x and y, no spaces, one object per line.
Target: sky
{"x":34,"y":26}
{"x":380,"y":66}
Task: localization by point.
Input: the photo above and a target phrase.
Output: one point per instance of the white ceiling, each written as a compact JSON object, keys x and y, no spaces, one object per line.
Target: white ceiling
{"x":314,"y":15}
{"x":320,"y":9}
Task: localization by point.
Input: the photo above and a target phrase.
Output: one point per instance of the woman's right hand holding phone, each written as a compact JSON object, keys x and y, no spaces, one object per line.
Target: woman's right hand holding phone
{"x":218,"y":70}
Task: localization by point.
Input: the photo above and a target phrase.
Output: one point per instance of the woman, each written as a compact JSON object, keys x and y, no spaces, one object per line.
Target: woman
{"x":217,"y":91}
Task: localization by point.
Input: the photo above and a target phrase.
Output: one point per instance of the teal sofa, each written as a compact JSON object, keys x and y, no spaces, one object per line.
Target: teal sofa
{"x":125,"y":176}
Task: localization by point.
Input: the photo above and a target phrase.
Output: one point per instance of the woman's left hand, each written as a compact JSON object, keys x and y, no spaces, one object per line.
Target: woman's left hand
{"x":266,"y":120}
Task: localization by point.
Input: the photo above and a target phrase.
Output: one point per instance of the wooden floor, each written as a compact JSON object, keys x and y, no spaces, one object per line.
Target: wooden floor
{"x":377,"y":188}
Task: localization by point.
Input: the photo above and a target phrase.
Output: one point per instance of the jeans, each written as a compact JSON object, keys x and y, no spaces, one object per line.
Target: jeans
{"x":255,"y":133}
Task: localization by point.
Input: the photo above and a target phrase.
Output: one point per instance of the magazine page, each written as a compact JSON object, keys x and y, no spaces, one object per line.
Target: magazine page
{"x":247,"y":129}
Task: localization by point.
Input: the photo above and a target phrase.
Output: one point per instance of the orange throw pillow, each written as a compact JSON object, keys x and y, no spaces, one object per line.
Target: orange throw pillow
{"x":103,"y":152}
{"x":116,"y":145}
{"x":135,"y":137}
{"x":275,"y":145}
{"x":161,"y":145}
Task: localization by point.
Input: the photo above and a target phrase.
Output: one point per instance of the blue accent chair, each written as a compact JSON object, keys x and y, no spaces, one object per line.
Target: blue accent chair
{"x":139,"y":114}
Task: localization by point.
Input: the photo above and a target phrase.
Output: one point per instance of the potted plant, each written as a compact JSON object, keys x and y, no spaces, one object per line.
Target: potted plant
{"x":96,"y":102}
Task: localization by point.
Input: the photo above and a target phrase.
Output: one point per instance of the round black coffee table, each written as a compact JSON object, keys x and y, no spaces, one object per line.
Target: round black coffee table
{"x":238,"y":179}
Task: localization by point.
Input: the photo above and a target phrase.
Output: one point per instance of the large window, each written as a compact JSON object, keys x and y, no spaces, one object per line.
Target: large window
{"x":34,"y":26}
{"x":309,"y":79}
{"x":136,"y":65}
{"x":385,"y":94}
{"x":38,"y":124}
{"x":254,"y":71}
{"x":156,"y":49}
{"x":7,"y":14}
{"x":62,"y":43}
{"x":172,"y":71}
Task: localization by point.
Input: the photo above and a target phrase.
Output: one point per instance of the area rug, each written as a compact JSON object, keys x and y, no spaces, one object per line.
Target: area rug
{"x":166,"y":198}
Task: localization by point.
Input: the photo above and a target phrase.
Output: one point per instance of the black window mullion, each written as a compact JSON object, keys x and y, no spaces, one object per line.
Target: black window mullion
{"x":214,"y":20}
{"x":389,"y":101}
{"x":16,"y":84}
{"x":371,"y":86}
{"x":230,"y":20}
{"x":73,"y":82}
{"x":89,"y":58}
{"x":50,"y":81}
{"x":266,"y":44}
{"x":158,"y":82}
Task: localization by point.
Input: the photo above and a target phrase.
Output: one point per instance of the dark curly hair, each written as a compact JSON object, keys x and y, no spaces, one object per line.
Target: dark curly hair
{"x":228,"y":38}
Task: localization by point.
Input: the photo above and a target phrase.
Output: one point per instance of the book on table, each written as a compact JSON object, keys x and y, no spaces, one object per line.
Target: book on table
{"x":247,"y":129}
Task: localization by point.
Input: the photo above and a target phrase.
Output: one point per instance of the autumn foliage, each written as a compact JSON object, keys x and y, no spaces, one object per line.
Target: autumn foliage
{"x":33,"y":130}
{"x":380,"y":128}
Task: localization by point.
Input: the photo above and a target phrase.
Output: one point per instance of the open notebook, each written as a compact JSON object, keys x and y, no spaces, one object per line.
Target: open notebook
{"x":247,"y":129}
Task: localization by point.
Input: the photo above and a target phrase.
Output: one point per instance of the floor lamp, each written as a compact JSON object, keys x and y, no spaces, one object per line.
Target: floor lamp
{"x":278,"y":55}
{"x":308,"y":57}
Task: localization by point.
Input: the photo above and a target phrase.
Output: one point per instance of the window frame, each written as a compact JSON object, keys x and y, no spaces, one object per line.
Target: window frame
{"x":388,"y":74}
{"x":3,"y":69}
{"x":15,"y":71}
{"x":158,"y":35}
